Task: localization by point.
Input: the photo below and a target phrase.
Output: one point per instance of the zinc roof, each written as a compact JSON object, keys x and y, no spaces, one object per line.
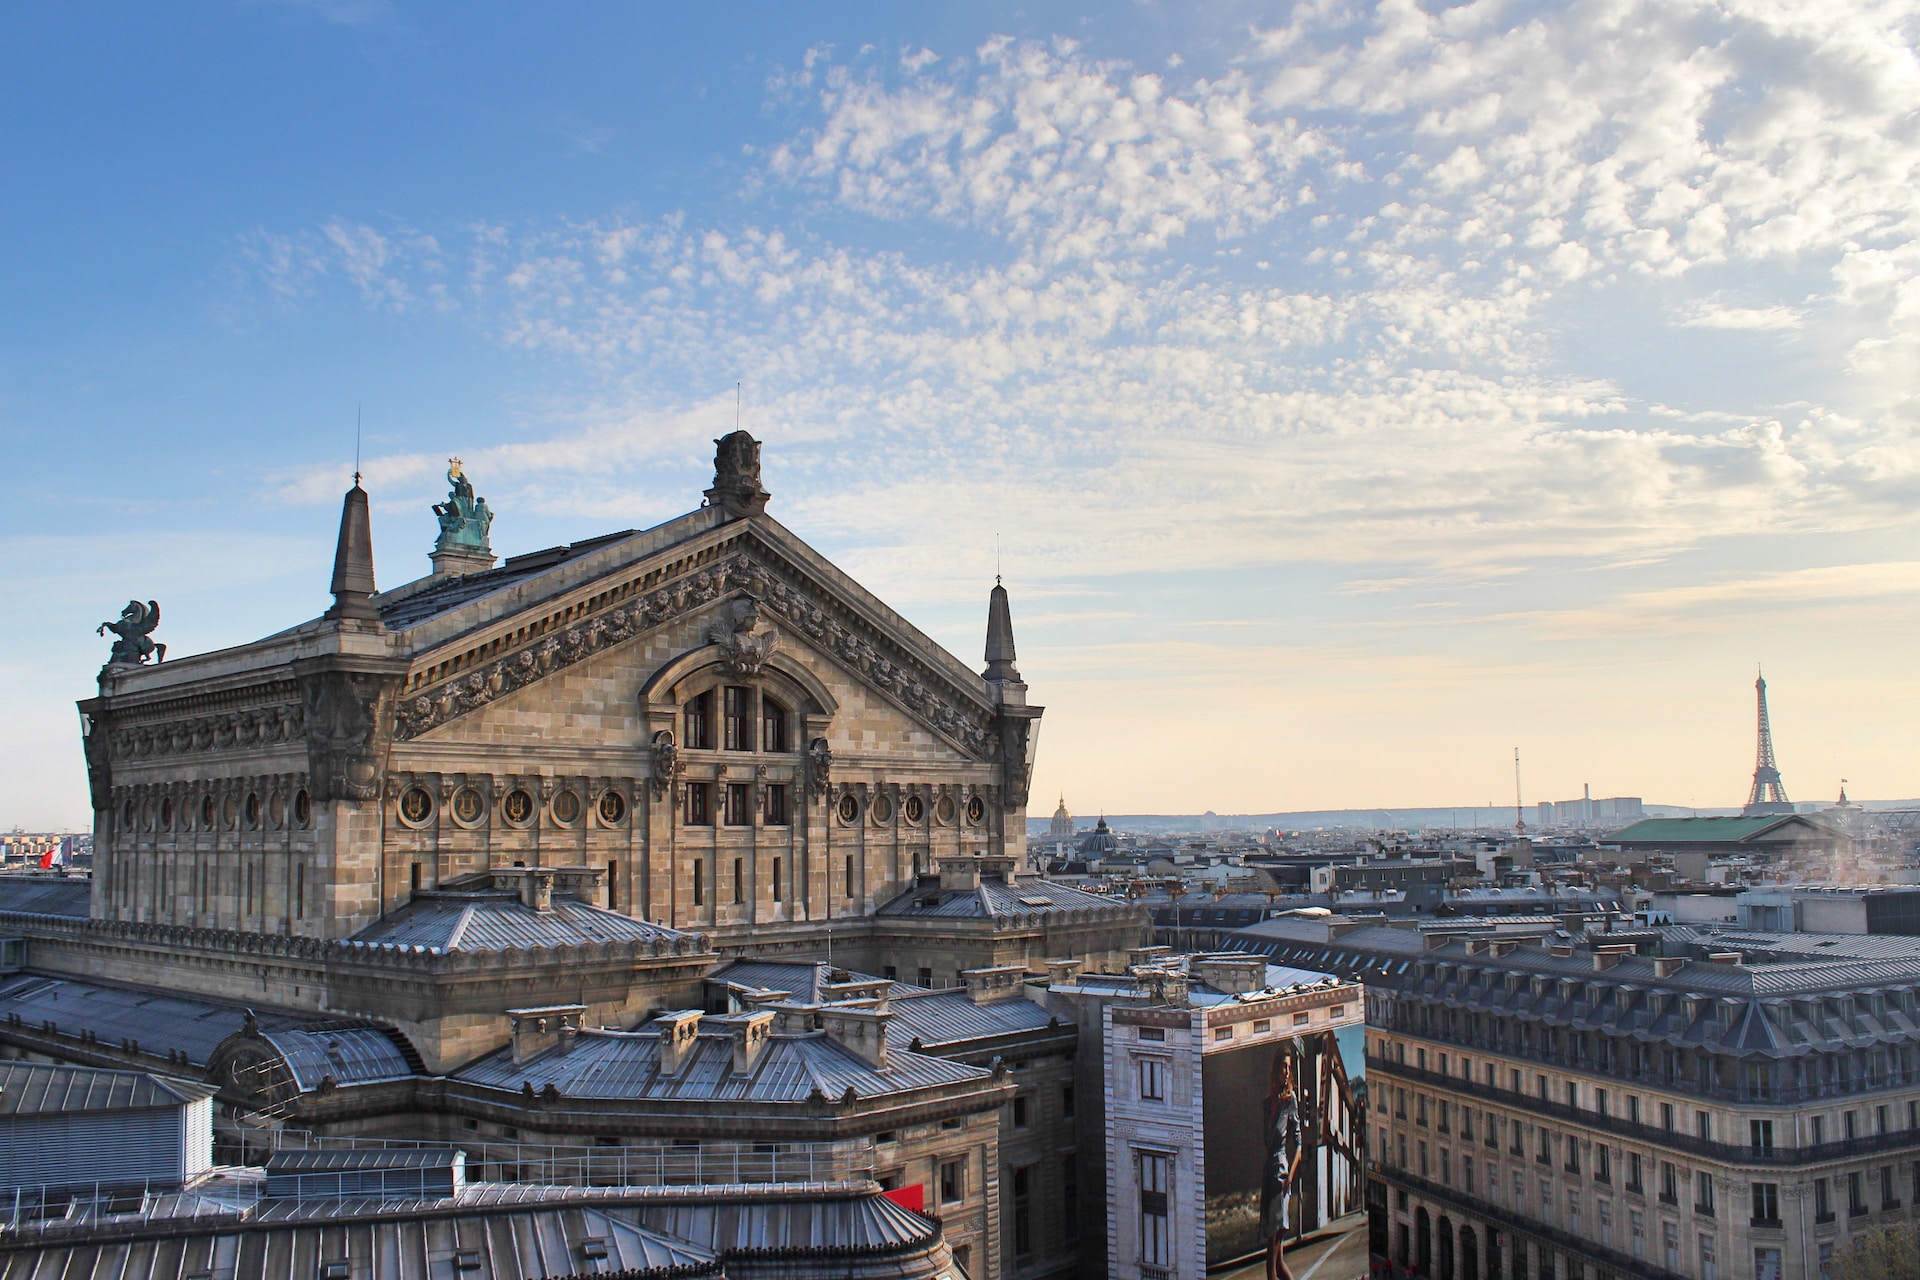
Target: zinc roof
{"x":951,"y":1017}
{"x":993,"y":898}
{"x":790,"y":1068}
{"x":1690,"y":830}
{"x":45,"y":896}
{"x":39,"y":1089}
{"x":194,"y":1026}
{"x":802,"y":978}
{"x":495,"y":920}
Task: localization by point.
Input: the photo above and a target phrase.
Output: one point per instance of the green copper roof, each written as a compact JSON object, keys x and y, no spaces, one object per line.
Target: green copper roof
{"x":1698,"y":830}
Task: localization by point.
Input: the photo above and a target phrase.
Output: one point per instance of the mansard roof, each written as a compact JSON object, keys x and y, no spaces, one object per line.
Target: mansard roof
{"x":39,"y":1089}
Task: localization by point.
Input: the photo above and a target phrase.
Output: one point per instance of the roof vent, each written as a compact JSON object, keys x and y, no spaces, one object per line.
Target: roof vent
{"x":679,"y":1037}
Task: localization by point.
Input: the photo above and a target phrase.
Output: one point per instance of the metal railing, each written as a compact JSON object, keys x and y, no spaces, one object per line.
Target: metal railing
{"x":637,"y":1165}
{"x":643,"y":1164}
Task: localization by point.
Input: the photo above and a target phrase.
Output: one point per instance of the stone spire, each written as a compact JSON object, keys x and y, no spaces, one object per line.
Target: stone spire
{"x":353,"y":560}
{"x":1000,"y":666}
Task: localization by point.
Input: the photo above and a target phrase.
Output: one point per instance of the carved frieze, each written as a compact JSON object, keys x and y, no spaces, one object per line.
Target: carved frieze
{"x":220,"y":731}
{"x":348,"y":713}
{"x":913,"y":686}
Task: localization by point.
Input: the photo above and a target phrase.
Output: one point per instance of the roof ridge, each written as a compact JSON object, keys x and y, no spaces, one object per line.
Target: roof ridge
{"x":459,"y":929}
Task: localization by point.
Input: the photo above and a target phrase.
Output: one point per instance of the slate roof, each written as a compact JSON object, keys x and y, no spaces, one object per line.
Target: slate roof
{"x":496,"y":920}
{"x":1788,"y":998}
{"x":791,"y":1068}
{"x":46,"y":896}
{"x":413,"y":608}
{"x":995,"y":898}
{"x":40,"y":1089}
{"x":191,"y":1025}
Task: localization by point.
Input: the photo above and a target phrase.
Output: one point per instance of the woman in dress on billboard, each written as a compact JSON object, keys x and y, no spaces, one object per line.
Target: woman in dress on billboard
{"x":1285,"y":1148}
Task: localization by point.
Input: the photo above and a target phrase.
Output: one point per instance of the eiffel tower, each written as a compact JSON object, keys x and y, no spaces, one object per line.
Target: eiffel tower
{"x":1769,"y":795}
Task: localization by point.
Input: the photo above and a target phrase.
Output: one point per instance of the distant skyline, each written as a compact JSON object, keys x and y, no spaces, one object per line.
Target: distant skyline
{"x":1348,"y":394}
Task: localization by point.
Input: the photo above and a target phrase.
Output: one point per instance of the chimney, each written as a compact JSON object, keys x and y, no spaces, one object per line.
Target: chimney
{"x":1006,"y":982}
{"x":1234,"y":975}
{"x":1163,"y":986}
{"x":1437,"y":940}
{"x":862,"y":1031}
{"x":872,"y":993}
{"x":1147,"y":955}
{"x":1667,"y":966}
{"x":1500,"y":947}
{"x":534,"y":1031}
{"x":1064,"y":973}
{"x":1000,"y":669}
{"x":679,"y":1037}
{"x":1340,"y":928}
{"x":353,"y":560}
{"x":997,"y":870}
{"x":960,"y":873}
{"x":750,"y":1032}
{"x":1725,"y":957}
{"x":1609,"y":956}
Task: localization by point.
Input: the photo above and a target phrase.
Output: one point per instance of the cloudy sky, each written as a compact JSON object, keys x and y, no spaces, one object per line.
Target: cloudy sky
{"x":1349,"y":392}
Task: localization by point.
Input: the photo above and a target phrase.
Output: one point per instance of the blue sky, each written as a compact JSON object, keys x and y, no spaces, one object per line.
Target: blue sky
{"x":1354,"y":392}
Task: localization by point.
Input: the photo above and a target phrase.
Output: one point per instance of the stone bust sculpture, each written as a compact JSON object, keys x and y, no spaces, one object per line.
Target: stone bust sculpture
{"x":464,"y":519}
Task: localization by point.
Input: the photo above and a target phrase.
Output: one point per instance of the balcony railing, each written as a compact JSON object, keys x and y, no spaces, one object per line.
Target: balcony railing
{"x":1672,"y":1139}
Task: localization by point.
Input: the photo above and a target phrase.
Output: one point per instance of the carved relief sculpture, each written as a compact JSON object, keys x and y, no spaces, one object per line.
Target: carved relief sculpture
{"x":747,"y":639}
{"x":346,"y":718}
{"x":666,"y":764}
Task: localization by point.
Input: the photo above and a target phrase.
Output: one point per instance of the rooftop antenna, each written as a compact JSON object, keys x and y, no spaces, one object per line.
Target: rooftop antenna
{"x":736,"y":406}
{"x":996,"y":560}
{"x":356,"y":444}
{"x":1519,"y":813}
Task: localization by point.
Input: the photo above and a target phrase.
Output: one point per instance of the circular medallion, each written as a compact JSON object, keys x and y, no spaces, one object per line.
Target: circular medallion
{"x":566,"y":808}
{"x":130,"y":816}
{"x":416,"y":806}
{"x":881,"y":809}
{"x":976,"y":811}
{"x":469,"y":806}
{"x":166,"y":815}
{"x":943,"y":810}
{"x":253,"y":808}
{"x":613,"y":808}
{"x":229,"y":813}
{"x":517,"y":808}
{"x":849,"y":808}
{"x":916,"y":810}
{"x":302,"y":808}
{"x":206,"y":813}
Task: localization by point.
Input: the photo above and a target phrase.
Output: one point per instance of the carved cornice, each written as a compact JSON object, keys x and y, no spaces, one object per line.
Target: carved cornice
{"x":960,"y":716}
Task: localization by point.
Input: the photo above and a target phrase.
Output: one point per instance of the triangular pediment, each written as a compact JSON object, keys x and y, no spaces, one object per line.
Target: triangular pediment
{"x":498,"y":650}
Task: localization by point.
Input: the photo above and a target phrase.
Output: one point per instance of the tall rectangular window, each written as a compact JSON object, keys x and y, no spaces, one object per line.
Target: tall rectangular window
{"x":1761,"y":1134}
{"x":773,"y":725}
{"x":699,"y":722}
{"x":776,"y":879}
{"x":739,"y":879}
{"x":738,"y":800}
{"x":849,"y":872}
{"x":1156,"y":1174}
{"x":1766,"y":1204}
{"x":776,"y":804}
{"x":300,"y":890}
{"x":1822,"y":1201}
{"x":1766,"y":1264}
{"x":1022,"y":1211}
{"x":737,"y":718}
{"x":1856,"y":1195}
{"x":699,"y":884}
{"x":1709,"y":1259}
{"x":613,"y":886}
{"x":1153,"y":1079}
{"x":699,"y":804}
{"x":1703,"y":1193}
{"x":953,"y":1181}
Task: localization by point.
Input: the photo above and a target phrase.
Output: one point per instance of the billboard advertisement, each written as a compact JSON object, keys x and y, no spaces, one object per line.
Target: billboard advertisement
{"x":1284,"y":1131}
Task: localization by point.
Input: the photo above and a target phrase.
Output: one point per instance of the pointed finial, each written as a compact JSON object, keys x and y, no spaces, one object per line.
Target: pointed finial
{"x":1000,"y":637}
{"x":353,"y":560}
